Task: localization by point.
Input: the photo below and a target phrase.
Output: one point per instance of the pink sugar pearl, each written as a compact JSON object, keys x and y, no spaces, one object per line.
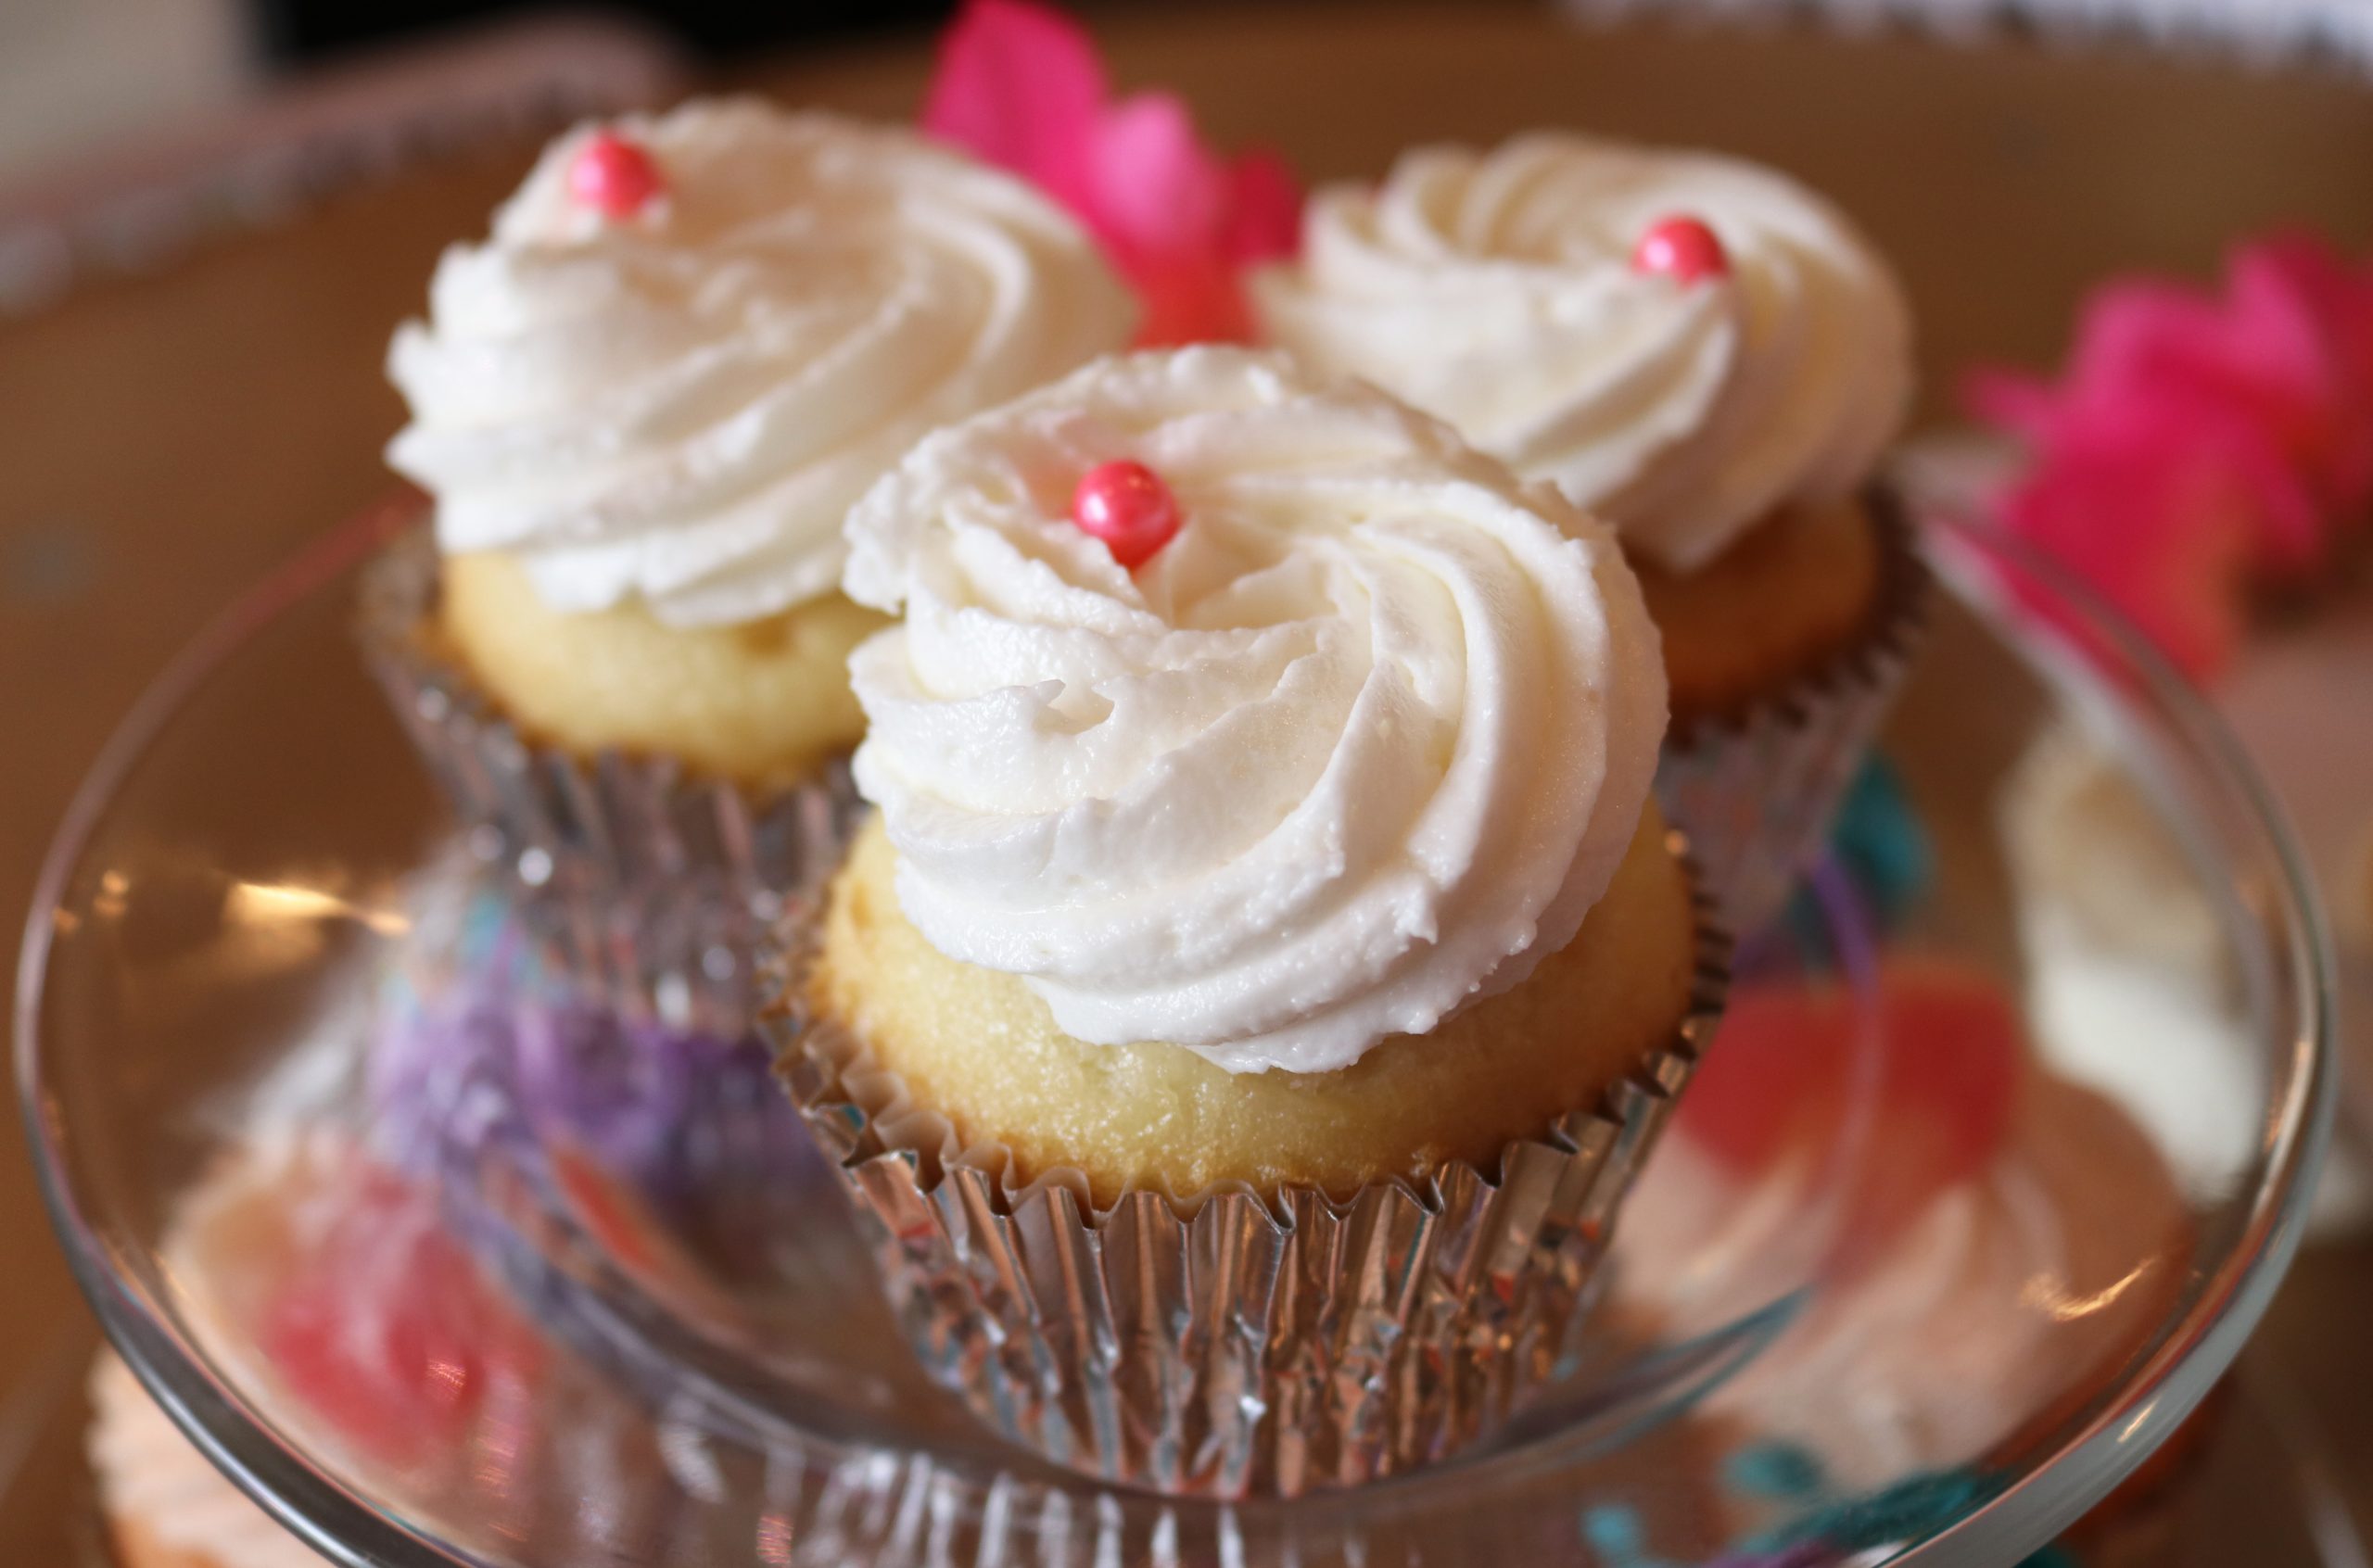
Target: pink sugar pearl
{"x":613,"y":176}
{"x":1682,"y":248}
{"x":1127,"y":506}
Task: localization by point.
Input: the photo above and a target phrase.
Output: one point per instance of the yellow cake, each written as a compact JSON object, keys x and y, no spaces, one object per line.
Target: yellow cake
{"x":759,"y":702}
{"x":1790,"y":596}
{"x":980,"y":1048}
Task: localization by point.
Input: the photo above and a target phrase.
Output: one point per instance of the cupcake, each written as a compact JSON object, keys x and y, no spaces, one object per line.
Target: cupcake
{"x":640,"y":409}
{"x":1265,"y":967}
{"x":1710,"y":357}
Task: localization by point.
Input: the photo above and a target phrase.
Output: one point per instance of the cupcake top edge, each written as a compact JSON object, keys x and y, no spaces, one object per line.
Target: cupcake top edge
{"x":692,"y":339}
{"x":1360,"y":738}
{"x":1684,"y":342}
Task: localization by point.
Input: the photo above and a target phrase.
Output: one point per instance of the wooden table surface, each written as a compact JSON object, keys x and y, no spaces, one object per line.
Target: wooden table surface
{"x":167,"y":438}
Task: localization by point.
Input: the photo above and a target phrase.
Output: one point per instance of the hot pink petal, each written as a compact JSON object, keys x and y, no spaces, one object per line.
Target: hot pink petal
{"x":2016,"y":401}
{"x":2162,"y":538}
{"x":1192,"y":299}
{"x":1020,"y":85}
{"x":1182,"y":223}
{"x":1159,"y":189}
{"x":2301,"y":301}
{"x":2198,"y":442}
{"x":2259,"y":371}
{"x":1264,"y":216}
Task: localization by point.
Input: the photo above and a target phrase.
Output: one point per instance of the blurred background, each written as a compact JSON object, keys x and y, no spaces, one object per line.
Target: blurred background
{"x":212,"y":214}
{"x":78,"y":73}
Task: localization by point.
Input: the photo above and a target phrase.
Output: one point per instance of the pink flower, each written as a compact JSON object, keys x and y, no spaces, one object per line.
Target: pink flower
{"x":1020,"y":85}
{"x":2199,"y":445}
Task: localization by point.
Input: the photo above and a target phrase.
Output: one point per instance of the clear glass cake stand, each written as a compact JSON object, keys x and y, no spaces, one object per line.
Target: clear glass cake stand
{"x":258,"y":853}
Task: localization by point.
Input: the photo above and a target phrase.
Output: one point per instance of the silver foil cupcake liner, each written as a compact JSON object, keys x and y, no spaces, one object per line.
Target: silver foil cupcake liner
{"x":1219,"y":1344}
{"x":1756,"y":791}
{"x":683,"y":957}
{"x":640,"y":876}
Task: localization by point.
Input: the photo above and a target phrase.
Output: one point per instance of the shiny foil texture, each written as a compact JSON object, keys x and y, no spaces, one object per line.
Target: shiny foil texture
{"x":1756,"y":791}
{"x":641,"y":878}
{"x":1217,"y":1344}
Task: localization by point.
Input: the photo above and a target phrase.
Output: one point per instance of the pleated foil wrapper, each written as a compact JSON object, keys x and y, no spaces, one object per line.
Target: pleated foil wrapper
{"x":682,"y":956}
{"x":1756,"y":791}
{"x":1222,"y":1344}
{"x":640,"y":877}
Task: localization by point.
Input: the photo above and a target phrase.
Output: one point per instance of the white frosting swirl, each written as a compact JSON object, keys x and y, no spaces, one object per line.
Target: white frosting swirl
{"x":1366,"y":739}
{"x":1496,"y":290}
{"x":680,"y":406}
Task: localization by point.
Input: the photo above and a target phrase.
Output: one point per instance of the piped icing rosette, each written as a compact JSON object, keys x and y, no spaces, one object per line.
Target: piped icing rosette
{"x":1364,"y":741}
{"x":677,"y":400}
{"x":1683,"y":402}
